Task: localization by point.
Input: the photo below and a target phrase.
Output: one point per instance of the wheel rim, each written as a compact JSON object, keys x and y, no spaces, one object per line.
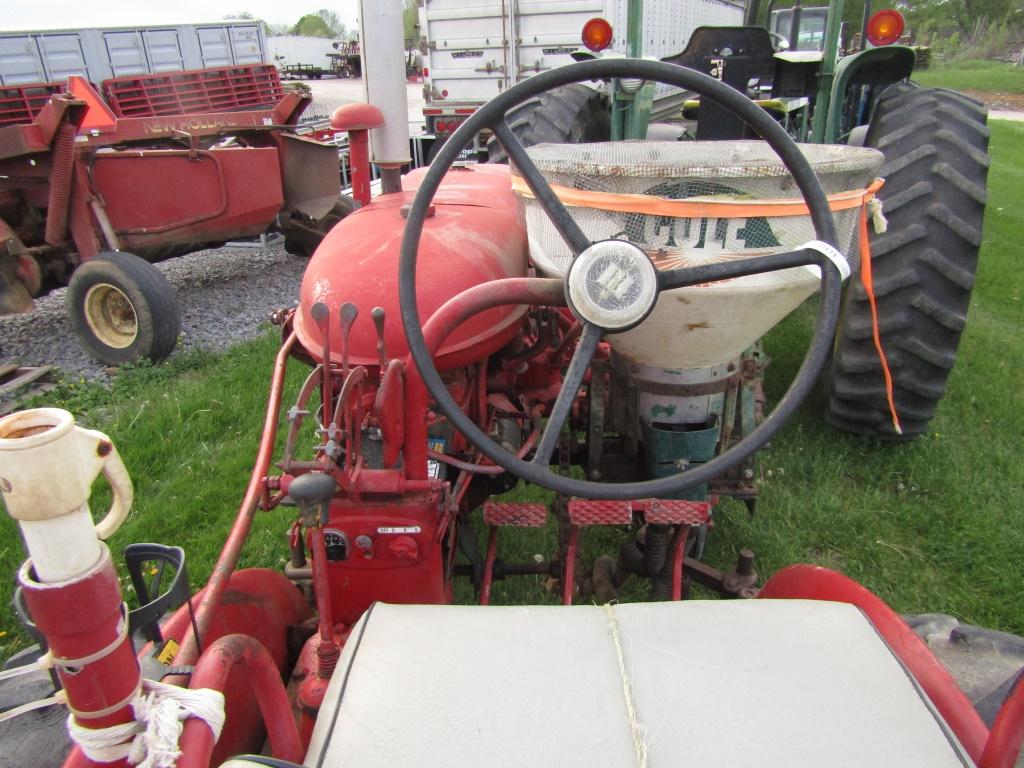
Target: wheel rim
{"x":110,"y":316}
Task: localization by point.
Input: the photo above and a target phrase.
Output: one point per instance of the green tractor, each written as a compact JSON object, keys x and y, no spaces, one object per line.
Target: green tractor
{"x":935,"y":144}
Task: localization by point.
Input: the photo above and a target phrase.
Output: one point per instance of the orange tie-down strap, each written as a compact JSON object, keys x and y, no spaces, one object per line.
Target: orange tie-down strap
{"x":717,"y":208}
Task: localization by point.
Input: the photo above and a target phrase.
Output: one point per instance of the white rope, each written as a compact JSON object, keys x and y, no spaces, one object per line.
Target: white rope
{"x":40,"y":664}
{"x":638,"y":731}
{"x":151,"y":740}
{"x":878,"y":220}
{"x":57,"y":698}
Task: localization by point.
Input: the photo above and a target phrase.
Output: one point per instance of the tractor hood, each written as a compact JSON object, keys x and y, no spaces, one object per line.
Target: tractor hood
{"x":473,"y":237}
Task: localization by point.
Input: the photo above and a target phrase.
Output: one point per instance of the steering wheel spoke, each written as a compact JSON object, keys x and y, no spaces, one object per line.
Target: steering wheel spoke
{"x":559,"y":215}
{"x":585,"y":348}
{"x":683,"y":277}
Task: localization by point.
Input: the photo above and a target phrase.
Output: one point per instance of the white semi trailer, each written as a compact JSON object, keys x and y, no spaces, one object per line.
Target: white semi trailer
{"x":97,"y":54}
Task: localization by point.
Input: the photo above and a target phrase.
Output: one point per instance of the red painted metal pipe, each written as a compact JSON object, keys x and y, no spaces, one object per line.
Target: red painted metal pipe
{"x":1007,"y":735}
{"x":359,"y":162}
{"x":264,"y":685}
{"x":810,"y":582}
{"x":536,"y":291}
{"x":358,"y":119}
{"x":82,"y":619}
{"x":228,"y":559}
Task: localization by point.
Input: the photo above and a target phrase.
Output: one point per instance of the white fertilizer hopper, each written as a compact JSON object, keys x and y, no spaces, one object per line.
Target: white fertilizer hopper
{"x":690,"y":203}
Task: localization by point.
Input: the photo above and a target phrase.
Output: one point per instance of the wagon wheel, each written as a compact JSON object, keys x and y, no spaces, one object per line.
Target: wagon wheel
{"x":603,"y":310}
{"x":123,"y":309}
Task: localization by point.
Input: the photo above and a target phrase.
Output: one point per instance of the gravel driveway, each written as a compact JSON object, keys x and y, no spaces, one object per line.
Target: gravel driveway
{"x":225,"y":294}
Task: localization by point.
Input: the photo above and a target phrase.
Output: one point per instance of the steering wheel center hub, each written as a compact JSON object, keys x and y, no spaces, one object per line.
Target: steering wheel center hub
{"x":613,"y":285}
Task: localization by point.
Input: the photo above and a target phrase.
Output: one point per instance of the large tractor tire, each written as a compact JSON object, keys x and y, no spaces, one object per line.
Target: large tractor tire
{"x":123,"y":309}
{"x":935,"y":143}
{"x":570,"y":114}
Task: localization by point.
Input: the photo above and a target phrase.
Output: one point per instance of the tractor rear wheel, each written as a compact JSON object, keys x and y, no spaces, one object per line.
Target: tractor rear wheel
{"x":123,"y":308}
{"x":935,"y":143}
{"x":567,"y":115}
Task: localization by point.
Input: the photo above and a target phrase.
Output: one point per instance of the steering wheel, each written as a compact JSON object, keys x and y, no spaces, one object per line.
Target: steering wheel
{"x":604,"y":310}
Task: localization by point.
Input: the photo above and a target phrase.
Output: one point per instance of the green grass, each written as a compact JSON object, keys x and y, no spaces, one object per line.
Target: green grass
{"x":935,"y":525}
{"x":992,"y":76}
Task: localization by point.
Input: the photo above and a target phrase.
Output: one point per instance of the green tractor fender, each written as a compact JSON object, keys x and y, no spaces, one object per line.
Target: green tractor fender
{"x":875,"y":66}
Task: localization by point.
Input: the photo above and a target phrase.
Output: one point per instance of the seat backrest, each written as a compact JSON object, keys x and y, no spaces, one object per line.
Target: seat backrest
{"x":734,"y":55}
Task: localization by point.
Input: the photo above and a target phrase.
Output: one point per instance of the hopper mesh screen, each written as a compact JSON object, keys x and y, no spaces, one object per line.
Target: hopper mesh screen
{"x":713,"y":171}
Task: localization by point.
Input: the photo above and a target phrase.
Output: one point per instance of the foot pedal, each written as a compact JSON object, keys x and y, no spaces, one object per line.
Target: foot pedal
{"x":593,"y":512}
{"x":677,"y":512}
{"x":516,"y":515}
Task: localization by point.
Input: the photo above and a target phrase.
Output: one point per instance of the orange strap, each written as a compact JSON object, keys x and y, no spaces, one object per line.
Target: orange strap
{"x":696,"y":207}
{"x":714,"y":207}
{"x":867,"y":281}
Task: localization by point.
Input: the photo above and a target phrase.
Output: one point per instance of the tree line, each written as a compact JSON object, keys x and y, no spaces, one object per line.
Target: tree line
{"x":327,"y":23}
{"x":323,"y":23}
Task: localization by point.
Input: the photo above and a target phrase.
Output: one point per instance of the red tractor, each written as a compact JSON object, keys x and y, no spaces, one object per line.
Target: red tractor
{"x":496,"y":375}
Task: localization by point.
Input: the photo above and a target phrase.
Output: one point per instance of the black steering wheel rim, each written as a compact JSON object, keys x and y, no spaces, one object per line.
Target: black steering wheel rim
{"x":491,"y":115}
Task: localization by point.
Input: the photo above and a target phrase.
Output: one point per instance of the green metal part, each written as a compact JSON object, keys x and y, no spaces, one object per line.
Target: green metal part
{"x":875,"y":66}
{"x":634,"y":28}
{"x":671,"y":447}
{"x":631,"y":112}
{"x":822,"y":105}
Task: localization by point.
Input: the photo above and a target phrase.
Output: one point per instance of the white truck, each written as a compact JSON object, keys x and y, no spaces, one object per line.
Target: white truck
{"x":473,"y":49}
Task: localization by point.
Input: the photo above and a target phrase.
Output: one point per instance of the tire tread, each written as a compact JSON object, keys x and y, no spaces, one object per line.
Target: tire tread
{"x":936,"y":147}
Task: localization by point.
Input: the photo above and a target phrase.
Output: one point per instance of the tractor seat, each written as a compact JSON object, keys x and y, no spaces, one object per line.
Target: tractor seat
{"x":708,"y":683}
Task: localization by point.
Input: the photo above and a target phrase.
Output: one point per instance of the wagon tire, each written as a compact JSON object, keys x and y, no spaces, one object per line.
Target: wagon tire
{"x":123,"y":309}
{"x":568,"y":115}
{"x":935,"y":143}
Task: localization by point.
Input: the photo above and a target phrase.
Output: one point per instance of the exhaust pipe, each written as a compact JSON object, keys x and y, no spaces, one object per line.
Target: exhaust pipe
{"x":384,"y":86}
{"x":69,"y":584}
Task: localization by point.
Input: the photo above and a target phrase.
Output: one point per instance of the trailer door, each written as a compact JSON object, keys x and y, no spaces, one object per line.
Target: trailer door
{"x":246,"y":47}
{"x":548,"y":31}
{"x":468,"y":48}
{"x":63,"y":56}
{"x":20,"y":61}
{"x":163,"y":49}
{"x":126,"y":53}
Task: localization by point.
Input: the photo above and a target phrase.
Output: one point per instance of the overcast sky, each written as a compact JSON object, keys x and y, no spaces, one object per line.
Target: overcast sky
{"x":68,"y":14}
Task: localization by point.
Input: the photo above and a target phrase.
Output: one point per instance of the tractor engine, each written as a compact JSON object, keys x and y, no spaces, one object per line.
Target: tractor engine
{"x":387,"y":526}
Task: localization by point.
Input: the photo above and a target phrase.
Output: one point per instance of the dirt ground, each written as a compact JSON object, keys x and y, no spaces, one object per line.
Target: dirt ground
{"x":998,"y":100}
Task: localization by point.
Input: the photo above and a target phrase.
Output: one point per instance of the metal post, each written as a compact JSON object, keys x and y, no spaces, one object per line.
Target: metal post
{"x":633,"y":110}
{"x":830,"y":53}
{"x":635,"y":28}
{"x":864,"y":25}
{"x":794,"y":27}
